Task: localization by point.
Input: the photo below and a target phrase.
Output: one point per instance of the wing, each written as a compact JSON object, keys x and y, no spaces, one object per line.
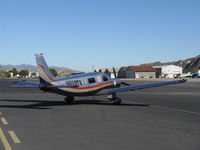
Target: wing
{"x":25,"y":84}
{"x":141,"y":86}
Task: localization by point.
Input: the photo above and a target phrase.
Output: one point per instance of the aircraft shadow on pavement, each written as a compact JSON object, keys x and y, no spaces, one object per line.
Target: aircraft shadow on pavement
{"x":102,"y":102}
{"x":46,"y":104}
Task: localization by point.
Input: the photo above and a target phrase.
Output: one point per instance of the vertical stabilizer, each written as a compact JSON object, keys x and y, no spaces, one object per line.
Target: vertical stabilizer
{"x":43,"y":68}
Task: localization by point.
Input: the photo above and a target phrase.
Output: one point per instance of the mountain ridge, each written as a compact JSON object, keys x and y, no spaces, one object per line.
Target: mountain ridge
{"x":32,"y":68}
{"x":189,"y":63}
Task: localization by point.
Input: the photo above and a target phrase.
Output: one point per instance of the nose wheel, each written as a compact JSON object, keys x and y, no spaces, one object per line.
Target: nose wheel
{"x":69,"y":100}
{"x":115,"y":100}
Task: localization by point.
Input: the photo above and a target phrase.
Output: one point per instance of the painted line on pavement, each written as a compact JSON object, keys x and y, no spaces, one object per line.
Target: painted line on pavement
{"x":3,"y":120}
{"x":14,"y":137}
{"x":178,"y":110}
{"x":170,"y":108}
{"x":4,"y":141}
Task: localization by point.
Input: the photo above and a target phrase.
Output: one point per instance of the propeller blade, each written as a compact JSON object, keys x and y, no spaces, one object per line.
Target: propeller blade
{"x":124,"y":83}
{"x":114,"y":73}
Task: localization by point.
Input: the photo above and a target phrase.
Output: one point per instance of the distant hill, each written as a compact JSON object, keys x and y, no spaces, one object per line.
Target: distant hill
{"x":32,"y":68}
{"x":187,"y":64}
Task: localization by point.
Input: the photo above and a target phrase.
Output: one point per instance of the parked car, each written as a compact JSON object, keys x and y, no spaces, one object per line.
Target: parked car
{"x":194,"y":75}
{"x":198,"y":76}
{"x":176,"y":76}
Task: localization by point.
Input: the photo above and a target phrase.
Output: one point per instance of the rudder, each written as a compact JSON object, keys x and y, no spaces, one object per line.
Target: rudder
{"x":43,"y":68}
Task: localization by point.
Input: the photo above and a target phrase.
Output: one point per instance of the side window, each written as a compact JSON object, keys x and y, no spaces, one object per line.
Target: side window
{"x":105,"y":78}
{"x":91,"y":80}
{"x":99,"y":79}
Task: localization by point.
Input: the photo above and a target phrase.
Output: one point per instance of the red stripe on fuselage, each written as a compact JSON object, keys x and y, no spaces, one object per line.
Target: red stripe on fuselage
{"x":88,"y":87}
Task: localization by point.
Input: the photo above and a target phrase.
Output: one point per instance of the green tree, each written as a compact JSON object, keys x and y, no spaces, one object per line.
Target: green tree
{"x":53,"y":71}
{"x":7,"y":74}
{"x":14,"y":71}
{"x":23,"y":73}
{"x":4,"y":74}
{"x":33,"y":74}
{"x":1,"y":74}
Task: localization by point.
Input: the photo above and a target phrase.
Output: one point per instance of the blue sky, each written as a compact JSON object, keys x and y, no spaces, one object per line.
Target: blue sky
{"x":81,"y":33}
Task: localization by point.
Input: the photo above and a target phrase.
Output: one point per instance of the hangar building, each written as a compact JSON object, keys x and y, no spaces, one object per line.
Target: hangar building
{"x":168,"y":71}
{"x":108,"y":71}
{"x":122,"y":73}
{"x":141,"y":72}
{"x":136,"y":72}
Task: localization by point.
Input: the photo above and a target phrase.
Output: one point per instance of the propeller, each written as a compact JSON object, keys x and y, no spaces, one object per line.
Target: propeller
{"x":115,"y":75}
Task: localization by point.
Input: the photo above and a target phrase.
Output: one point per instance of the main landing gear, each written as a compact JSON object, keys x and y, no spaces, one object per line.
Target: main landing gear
{"x":69,"y":99}
{"x":116,"y":100}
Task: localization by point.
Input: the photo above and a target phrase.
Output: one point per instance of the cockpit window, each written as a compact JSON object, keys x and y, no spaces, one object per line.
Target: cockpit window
{"x":105,"y":78}
{"x":91,"y":80}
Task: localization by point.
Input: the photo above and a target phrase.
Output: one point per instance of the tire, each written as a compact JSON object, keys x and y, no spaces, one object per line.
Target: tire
{"x":117,"y":101}
{"x":69,"y":100}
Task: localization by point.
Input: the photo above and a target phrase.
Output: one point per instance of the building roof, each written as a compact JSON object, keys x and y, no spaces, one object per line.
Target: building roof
{"x":101,"y":70}
{"x":111,"y":69}
{"x":142,"y":68}
{"x":124,"y":67}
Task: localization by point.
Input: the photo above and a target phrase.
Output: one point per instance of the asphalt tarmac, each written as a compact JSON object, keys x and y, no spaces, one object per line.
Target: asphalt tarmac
{"x":161,"y":118}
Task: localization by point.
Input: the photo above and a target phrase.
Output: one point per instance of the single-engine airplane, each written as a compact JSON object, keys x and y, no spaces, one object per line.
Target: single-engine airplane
{"x":87,"y":84}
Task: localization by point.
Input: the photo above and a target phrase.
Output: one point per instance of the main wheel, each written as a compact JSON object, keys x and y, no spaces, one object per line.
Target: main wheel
{"x":117,"y":101}
{"x":69,"y":100}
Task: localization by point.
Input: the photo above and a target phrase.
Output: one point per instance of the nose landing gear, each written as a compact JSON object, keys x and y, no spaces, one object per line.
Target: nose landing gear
{"x":116,"y":100}
{"x":69,"y":99}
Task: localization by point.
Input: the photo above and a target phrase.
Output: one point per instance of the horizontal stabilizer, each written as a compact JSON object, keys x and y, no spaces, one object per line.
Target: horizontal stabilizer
{"x":25,"y":84}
